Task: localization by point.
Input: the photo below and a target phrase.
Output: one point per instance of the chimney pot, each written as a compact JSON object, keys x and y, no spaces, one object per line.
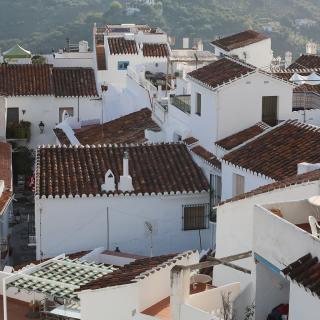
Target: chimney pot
{"x":125,"y":183}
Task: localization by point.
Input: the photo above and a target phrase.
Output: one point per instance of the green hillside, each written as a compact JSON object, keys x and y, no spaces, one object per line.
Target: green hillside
{"x":40,"y":25}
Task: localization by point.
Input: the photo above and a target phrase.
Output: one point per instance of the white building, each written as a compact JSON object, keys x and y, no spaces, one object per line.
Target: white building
{"x":236,"y":224}
{"x":249,"y":46}
{"x":156,"y":202}
{"x":220,"y":90}
{"x":118,"y":46}
{"x":265,"y":158}
{"x":100,"y":284}
{"x":6,"y":196}
{"x":39,"y":94}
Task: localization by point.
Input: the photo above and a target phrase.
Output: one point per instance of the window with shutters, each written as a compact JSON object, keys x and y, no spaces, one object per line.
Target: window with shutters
{"x":195,"y":217}
{"x":238,"y":184}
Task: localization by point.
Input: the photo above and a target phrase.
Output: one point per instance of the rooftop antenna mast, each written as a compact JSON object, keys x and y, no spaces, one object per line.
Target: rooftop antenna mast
{"x":149,"y":228}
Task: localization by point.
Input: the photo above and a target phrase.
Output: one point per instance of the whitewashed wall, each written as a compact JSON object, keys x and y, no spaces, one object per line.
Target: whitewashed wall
{"x":303,"y":305}
{"x":46,"y":109}
{"x":3,"y":116}
{"x":234,"y":234}
{"x":70,"y":225}
{"x":240,"y":103}
{"x":308,"y":116}
{"x":251,"y":181}
{"x":71,"y":59}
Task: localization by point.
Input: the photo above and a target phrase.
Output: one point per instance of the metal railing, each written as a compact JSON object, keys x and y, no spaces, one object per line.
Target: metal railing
{"x":182,"y":102}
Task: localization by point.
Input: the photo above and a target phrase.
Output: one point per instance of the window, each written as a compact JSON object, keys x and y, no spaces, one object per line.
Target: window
{"x":61,"y":110}
{"x":237,"y":184}
{"x":215,"y":194}
{"x":123,"y":65}
{"x":12,"y":116}
{"x":198,"y":104}
{"x":195,"y":217}
{"x":270,"y":110}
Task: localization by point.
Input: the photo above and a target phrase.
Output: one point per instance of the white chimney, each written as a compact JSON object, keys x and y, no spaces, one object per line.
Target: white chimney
{"x":311,"y":48}
{"x":109,"y":182}
{"x":83,"y":46}
{"x":185,"y":43}
{"x":288,"y":58}
{"x":305,"y":167}
{"x":198,"y":44}
{"x":125,"y":183}
{"x":180,"y":289}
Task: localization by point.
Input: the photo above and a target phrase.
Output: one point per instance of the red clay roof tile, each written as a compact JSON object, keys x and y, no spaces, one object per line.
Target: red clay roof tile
{"x":122,"y":46}
{"x":240,"y":137}
{"x":155,"y":50}
{"x":81,"y":170}
{"x":277,"y":152}
{"x":127,"y":129}
{"x":207,"y":155}
{"x":239,"y":40}
{"x":220,"y":72}
{"x":34,"y":80}
{"x":308,"y":61}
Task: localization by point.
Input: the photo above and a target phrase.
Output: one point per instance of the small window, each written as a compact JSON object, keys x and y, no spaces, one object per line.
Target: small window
{"x":238,"y":184}
{"x":195,"y":217}
{"x":123,"y":65}
{"x":61,"y":110}
{"x":198,"y":104}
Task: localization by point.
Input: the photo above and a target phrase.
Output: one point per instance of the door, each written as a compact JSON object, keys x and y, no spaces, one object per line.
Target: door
{"x":270,"y":110}
{"x":12,"y":116}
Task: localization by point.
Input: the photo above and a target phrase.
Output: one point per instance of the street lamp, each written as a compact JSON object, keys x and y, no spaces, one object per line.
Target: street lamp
{"x":41,"y":126}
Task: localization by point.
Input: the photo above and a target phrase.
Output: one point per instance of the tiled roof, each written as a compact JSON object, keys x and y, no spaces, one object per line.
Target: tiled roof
{"x":277,"y":152}
{"x":239,"y":40}
{"x":133,"y":271}
{"x":61,"y":136}
{"x":207,"y":155}
{"x":306,"y":272}
{"x":294,"y":180}
{"x":122,"y":46}
{"x":155,"y":50}
{"x":101,"y":57}
{"x":126,"y":129}
{"x":80,"y":170}
{"x":73,"y":82}
{"x":308,"y":61}
{"x":220,"y":72}
{"x":287,"y":74}
{"x":5,"y":199}
{"x":34,"y":80}
{"x":240,"y":137}
{"x":190,"y":140}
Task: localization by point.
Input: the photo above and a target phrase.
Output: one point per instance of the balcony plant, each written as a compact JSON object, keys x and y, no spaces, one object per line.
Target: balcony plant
{"x":21,"y":130}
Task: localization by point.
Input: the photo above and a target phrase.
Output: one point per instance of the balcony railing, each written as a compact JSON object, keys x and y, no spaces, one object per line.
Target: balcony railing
{"x":182,"y":102}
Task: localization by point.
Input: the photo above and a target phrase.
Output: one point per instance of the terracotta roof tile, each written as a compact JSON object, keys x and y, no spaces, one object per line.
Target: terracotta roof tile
{"x":126,"y":129}
{"x":240,"y":137}
{"x":277,"y":153}
{"x":190,"y":140}
{"x":220,"y":72}
{"x":74,"y":82}
{"x":81,"y":170}
{"x":239,"y":40}
{"x":155,"y":50}
{"x":122,"y":46}
{"x":206,"y":155}
{"x":306,"y":272}
{"x":308,"y":61}
{"x":61,"y":136}
{"x":34,"y":80}
{"x":129,"y":273}
{"x":294,"y":180}
{"x":5,"y":199}
{"x":101,"y":57}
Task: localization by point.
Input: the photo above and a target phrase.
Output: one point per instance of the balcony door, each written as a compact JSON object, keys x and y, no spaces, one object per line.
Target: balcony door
{"x":270,"y":110}
{"x":12,"y":116}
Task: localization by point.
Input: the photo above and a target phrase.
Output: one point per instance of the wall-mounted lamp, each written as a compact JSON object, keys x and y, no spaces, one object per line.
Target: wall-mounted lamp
{"x":23,"y":111}
{"x":41,"y":126}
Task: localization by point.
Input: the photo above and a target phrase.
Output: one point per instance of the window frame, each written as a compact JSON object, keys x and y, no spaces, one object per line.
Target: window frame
{"x":196,"y":226}
{"x":235,"y":191}
{"x":198,"y":104}
{"x":125,"y":65}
